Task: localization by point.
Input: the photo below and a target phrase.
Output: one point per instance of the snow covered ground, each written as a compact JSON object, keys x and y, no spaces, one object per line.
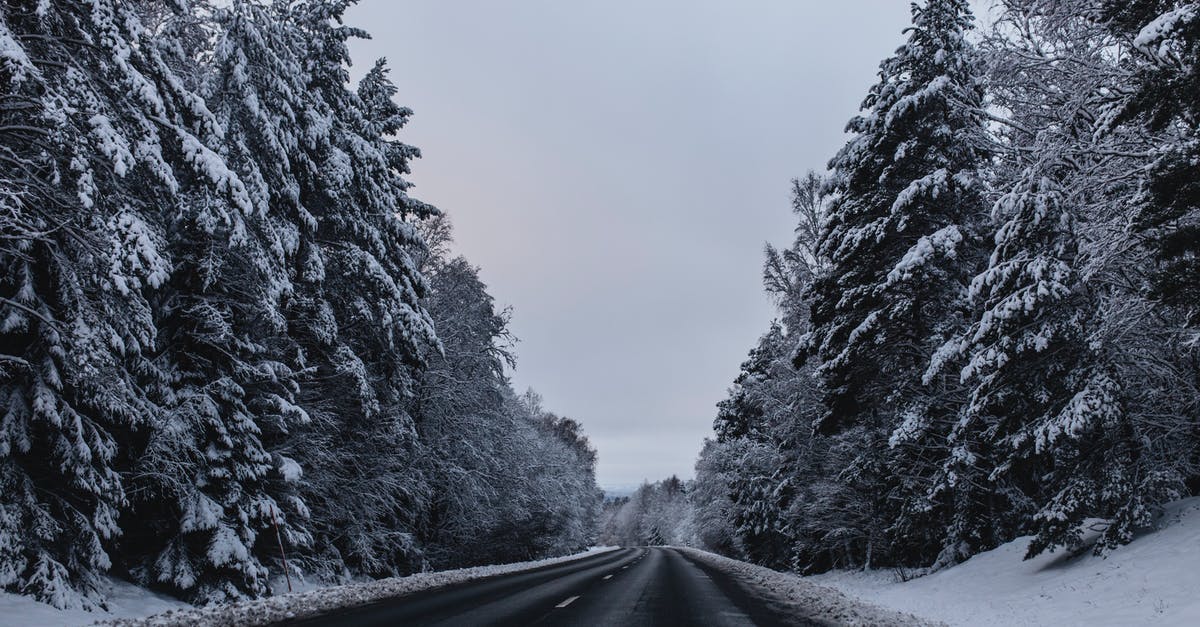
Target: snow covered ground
{"x":125,"y":600}
{"x":134,"y":606}
{"x":796,"y":596}
{"x":1153,"y":581}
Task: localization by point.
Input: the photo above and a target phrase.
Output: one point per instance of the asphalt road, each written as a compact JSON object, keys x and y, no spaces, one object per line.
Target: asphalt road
{"x":653,"y":586}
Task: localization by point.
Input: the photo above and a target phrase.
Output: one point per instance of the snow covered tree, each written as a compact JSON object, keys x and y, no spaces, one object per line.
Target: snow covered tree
{"x":753,"y":428}
{"x":229,"y":393}
{"x":971,"y":399}
{"x":100,"y":138}
{"x":213,"y":319}
{"x":902,"y":223}
{"x":1045,"y":441}
{"x":1017,"y":352}
{"x":788,"y":272}
{"x":1052,"y":434}
{"x":559,"y":480}
{"x":353,"y":312}
{"x":741,"y":415}
{"x":506,"y":480}
{"x":655,"y":514}
{"x":212,"y":492}
{"x":468,"y":440}
{"x":747,"y":481}
{"x":1165,"y":36}
{"x":1160,"y":104}
{"x":712,"y":503}
{"x":903,"y":237}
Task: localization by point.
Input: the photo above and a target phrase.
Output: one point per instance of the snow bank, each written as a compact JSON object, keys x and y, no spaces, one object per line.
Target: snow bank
{"x":1154,"y":580}
{"x":124,"y":599}
{"x":796,"y":596}
{"x":308,"y":603}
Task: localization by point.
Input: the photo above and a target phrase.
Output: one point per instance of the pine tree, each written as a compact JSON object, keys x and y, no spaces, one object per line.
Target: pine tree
{"x":741,"y":415}
{"x":1165,"y":35}
{"x":1045,"y":441}
{"x":1016,"y":350}
{"x":355,"y":315}
{"x":213,"y":493}
{"x":749,"y":423}
{"x":1050,"y":437}
{"x":906,"y":202}
{"x":99,"y":134}
{"x":902,"y":239}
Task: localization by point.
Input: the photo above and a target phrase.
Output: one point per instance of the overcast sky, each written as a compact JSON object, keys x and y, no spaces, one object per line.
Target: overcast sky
{"x":615,"y":168}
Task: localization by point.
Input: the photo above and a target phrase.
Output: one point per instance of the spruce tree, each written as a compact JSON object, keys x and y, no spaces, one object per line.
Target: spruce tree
{"x":355,"y":314}
{"x":902,"y":238}
{"x":1165,"y":36}
{"x":213,"y":493}
{"x":1044,"y":442}
{"x":100,"y":137}
{"x":902,"y":223}
{"x":1051,"y":435}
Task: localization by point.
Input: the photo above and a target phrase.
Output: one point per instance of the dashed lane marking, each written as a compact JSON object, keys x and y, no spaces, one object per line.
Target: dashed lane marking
{"x":567,"y":602}
{"x":608,"y":577}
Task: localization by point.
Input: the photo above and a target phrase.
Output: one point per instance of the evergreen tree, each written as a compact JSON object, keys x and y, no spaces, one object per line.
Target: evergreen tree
{"x":100,"y":135}
{"x":741,"y":415}
{"x":902,"y":223}
{"x":1049,"y":437}
{"x":970,"y":399}
{"x":1016,"y":350}
{"x":1165,"y":34}
{"x":902,"y":239}
{"x":213,"y":319}
{"x":355,"y":314}
{"x":213,"y":492}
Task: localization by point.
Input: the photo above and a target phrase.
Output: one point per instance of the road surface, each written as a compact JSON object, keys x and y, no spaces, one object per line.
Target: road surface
{"x":646,"y":586}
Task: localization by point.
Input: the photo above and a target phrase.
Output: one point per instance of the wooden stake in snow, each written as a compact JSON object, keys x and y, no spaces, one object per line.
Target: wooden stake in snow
{"x":275,"y":521}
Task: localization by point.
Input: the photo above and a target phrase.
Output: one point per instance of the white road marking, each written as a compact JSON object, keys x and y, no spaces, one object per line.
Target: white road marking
{"x":567,"y":602}
{"x":608,"y":577}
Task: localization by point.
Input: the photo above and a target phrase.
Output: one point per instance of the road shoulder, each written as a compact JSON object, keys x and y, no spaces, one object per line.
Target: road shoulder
{"x":286,"y":607}
{"x":803,"y":602}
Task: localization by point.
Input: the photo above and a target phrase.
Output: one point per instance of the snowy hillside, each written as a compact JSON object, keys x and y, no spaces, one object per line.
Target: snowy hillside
{"x":1153,"y":580}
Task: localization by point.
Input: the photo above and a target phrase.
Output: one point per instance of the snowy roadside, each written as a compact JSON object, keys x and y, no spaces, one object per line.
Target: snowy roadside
{"x":795,"y":595}
{"x":299,"y":604}
{"x":125,"y":600}
{"x":1152,"y":581}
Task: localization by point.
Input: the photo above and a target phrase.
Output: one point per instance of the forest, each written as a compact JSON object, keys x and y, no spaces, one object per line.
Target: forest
{"x":229,"y":334}
{"x":227,"y":331}
{"x":989,"y":315}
